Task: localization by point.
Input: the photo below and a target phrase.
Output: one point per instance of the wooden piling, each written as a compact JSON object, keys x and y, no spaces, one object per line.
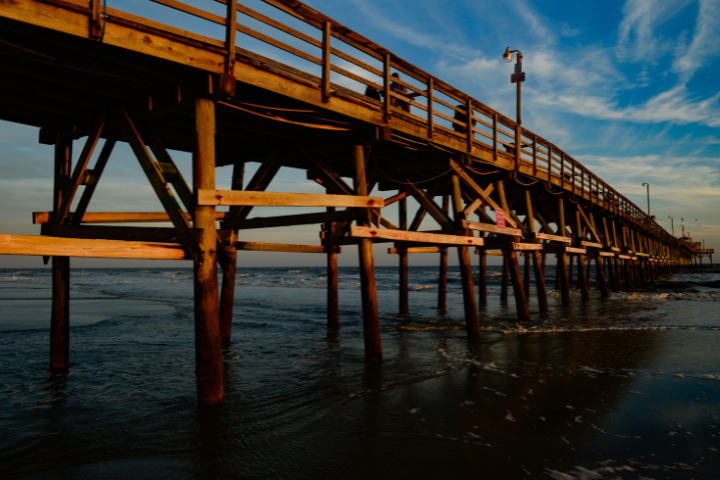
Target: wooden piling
{"x":540,"y":282}
{"x":404,"y":302}
{"x":227,"y":290}
{"x":227,"y":295}
{"x":600,"y":272}
{"x":442,"y":281}
{"x":582,"y":279}
{"x":371,"y":317}
{"x":482,"y":278}
{"x":60,"y":314}
{"x":472,"y":320}
{"x":564,"y":281}
{"x":518,"y":288}
{"x":570,"y":271}
{"x":333,"y":303}
{"x":208,"y":349}
{"x":526,"y":282}
{"x":504,"y":281}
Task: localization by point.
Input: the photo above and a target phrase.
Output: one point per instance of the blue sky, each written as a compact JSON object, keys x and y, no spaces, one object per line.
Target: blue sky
{"x":629,"y":88}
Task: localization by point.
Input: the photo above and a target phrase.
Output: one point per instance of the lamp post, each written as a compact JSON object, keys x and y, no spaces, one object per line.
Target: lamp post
{"x":672,"y":224}
{"x":518,"y":77}
{"x":648,"y":195}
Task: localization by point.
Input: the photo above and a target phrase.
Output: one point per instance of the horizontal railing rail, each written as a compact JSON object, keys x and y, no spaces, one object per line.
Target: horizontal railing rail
{"x":311,"y":46}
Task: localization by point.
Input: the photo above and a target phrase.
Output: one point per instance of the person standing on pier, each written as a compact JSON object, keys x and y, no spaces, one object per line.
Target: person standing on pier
{"x":401,"y":89}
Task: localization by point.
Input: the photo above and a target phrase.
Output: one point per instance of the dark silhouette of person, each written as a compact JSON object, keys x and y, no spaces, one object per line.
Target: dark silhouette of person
{"x":401,"y":89}
{"x":373,"y":93}
{"x":462,"y":117}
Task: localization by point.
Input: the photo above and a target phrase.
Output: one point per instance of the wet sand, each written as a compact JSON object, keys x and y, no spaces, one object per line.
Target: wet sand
{"x":621,"y":388}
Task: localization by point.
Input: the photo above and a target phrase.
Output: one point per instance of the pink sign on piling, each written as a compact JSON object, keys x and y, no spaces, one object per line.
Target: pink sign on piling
{"x":500,"y":219}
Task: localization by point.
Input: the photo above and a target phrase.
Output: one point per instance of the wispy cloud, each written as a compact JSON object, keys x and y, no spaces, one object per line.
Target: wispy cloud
{"x":637,"y":33}
{"x":705,"y":43}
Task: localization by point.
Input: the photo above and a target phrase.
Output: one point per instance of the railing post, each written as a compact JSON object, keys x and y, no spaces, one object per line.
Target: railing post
{"x":549,"y":147}
{"x":518,"y":147}
{"x":495,"y":137}
{"x":327,"y":35}
{"x":387,"y":97}
{"x":431,"y":107}
{"x":535,"y":155}
{"x":96,"y":26}
{"x":572,"y":183}
{"x":469,"y":118}
{"x":227,"y":78}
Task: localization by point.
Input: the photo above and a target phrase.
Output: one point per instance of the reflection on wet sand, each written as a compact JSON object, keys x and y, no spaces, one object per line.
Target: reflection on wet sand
{"x":626,"y":387}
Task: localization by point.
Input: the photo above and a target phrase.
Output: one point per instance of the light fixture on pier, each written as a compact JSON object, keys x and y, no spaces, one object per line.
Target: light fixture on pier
{"x":648,"y":195}
{"x":507,"y":57}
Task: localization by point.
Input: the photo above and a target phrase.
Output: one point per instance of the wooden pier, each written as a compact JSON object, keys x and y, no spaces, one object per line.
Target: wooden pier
{"x":485,"y":184}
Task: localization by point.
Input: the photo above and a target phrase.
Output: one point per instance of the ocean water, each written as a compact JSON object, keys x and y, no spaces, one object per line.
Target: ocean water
{"x":627,"y":387}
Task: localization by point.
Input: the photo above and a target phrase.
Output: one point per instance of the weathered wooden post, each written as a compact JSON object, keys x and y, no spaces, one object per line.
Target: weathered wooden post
{"x":442,"y":281}
{"x":518,"y":288}
{"x":208,"y":349}
{"x":227,"y":292}
{"x":60,"y":316}
{"x":562,"y":259}
{"x":333,"y":301}
{"x":582,"y":276}
{"x":504,"y":281}
{"x":472,"y":320}
{"x":600,"y":272}
{"x":371,"y":318}
{"x":538,"y":267}
{"x":482,"y":277}
{"x":403,"y":257}
{"x":526,"y":282}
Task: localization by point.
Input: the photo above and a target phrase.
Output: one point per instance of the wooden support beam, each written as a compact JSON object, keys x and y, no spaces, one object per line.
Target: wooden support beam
{"x":208,"y":341}
{"x":430,"y":206}
{"x":169,"y":169}
{"x":74,"y":218}
{"x":74,"y":247}
{"x":551,"y":238}
{"x":283,"y":199}
{"x":116,"y":217}
{"x":395,"y":251}
{"x":414,"y":237}
{"x":289,"y":220}
{"x":488,"y":227}
{"x":543,"y":224}
{"x":282,"y":247}
{"x":260,"y":181}
{"x":79,"y":172}
{"x":181,"y":236}
{"x":470,"y":209}
{"x":469,"y":182}
{"x":151,"y":168}
{"x":496,"y":243}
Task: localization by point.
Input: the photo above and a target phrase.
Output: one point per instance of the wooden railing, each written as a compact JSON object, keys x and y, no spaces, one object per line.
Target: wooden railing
{"x":343,"y":63}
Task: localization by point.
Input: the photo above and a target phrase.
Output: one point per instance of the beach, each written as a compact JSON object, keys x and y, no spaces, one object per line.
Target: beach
{"x":627,"y":387}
